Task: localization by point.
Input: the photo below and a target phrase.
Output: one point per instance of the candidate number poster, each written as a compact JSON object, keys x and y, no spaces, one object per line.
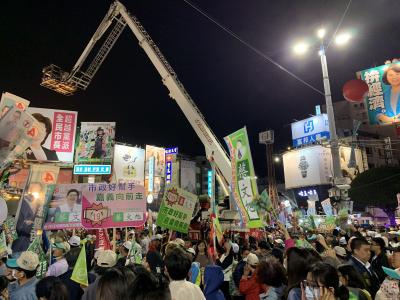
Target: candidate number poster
{"x":65,"y":207}
{"x":59,"y":141}
{"x":176,"y":209}
{"x":113,"y":205}
{"x":96,"y":142}
{"x":243,"y":177}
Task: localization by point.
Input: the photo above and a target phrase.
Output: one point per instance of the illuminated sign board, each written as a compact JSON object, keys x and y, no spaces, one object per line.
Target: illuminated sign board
{"x":169,"y":153}
{"x":310,"y":130}
{"x":92,"y":169}
{"x":151,"y":173}
{"x":173,"y":150}
{"x":210,"y":183}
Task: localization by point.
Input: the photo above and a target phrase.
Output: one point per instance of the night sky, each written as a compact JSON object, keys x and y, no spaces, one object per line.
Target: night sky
{"x":232,"y":86}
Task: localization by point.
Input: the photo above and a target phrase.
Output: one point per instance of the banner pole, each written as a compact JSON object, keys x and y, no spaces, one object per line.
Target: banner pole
{"x":73,"y":231}
{"x":126,"y":234}
{"x":170,"y":235}
{"x":114,"y":241}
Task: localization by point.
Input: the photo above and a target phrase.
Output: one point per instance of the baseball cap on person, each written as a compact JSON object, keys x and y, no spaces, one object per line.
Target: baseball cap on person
{"x":340,"y":251}
{"x":252,"y":259}
{"x":106,"y":258}
{"x":342,"y":241}
{"x":127,"y":245}
{"x":395,"y":274}
{"x":28,"y":261}
{"x":191,"y":250}
{"x":235,"y":248}
{"x":63,"y":245}
{"x":157,"y":237}
{"x":74,"y":241}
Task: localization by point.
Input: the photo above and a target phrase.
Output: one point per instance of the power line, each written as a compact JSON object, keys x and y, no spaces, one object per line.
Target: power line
{"x":339,"y":24}
{"x":254,"y":49}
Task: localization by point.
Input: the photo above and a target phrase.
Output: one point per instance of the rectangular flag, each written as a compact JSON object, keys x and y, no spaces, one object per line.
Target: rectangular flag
{"x":96,"y":142}
{"x":129,"y":164}
{"x":33,"y":205}
{"x":244,"y":185}
{"x":176,"y":209}
{"x":113,"y":205}
{"x":65,"y":208}
{"x":59,"y":141}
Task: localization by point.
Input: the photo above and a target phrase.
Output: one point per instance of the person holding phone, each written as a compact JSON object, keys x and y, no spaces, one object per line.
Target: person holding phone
{"x":248,"y":286}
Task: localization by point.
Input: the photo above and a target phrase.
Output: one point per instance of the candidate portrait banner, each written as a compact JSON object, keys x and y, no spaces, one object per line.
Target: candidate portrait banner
{"x":96,"y":142}
{"x":327,"y":207}
{"x":159,"y":160}
{"x":113,"y":205}
{"x":59,"y":142}
{"x":244,"y":185}
{"x":383,"y":100}
{"x":176,"y":209}
{"x":129,"y":164}
{"x":33,"y":205}
{"x":65,"y":207}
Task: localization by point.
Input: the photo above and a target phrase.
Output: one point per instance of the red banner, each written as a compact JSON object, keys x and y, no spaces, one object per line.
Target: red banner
{"x":102,"y":240}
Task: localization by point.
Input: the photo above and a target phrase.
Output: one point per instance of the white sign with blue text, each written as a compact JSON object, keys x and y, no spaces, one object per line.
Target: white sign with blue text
{"x":92,"y":169}
{"x":310,"y":130}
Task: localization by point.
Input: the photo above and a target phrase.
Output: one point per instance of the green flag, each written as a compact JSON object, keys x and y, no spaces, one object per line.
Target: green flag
{"x":79,"y":274}
{"x":36,"y":247}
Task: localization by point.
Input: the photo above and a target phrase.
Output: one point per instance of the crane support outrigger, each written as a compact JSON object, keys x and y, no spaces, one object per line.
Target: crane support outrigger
{"x":79,"y":78}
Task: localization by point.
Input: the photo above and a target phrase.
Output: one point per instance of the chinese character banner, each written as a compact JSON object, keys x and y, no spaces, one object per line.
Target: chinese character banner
{"x":383,"y":100}
{"x":176,"y":209}
{"x":113,"y":205}
{"x":65,"y":208}
{"x":96,"y":142}
{"x":243,"y":177}
{"x":58,"y":142}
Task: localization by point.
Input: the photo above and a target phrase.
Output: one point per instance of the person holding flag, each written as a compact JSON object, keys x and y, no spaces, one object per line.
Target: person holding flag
{"x":60,"y":266}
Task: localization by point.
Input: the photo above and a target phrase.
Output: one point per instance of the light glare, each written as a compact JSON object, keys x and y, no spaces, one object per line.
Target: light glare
{"x":300,"y":48}
{"x":321,"y":33}
{"x":342,"y":39}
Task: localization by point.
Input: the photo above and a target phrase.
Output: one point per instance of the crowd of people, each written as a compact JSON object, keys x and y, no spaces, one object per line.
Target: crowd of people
{"x":352,"y":264}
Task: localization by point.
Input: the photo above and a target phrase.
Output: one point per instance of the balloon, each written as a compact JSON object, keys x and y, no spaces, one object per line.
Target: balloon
{"x":355,"y":90}
{"x":3,"y":210}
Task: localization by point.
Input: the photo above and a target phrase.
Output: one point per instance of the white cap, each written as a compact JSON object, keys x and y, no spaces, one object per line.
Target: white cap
{"x":235,"y":248}
{"x":28,"y":261}
{"x":279,"y":241}
{"x":191,"y":250}
{"x":132,"y":232}
{"x":252,"y":259}
{"x":342,"y":241}
{"x":127,"y":245}
{"x":106,"y":258}
{"x":157,"y":237}
{"x":74,"y":241}
{"x":340,"y":251}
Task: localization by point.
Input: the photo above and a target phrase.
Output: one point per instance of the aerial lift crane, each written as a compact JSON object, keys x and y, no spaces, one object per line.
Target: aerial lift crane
{"x":80,"y":77}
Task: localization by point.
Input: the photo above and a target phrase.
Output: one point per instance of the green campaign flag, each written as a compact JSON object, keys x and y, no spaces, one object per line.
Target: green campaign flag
{"x":79,"y":274}
{"x":36,"y":247}
{"x":244,"y":185}
{"x":176,"y":209}
{"x":3,"y":244}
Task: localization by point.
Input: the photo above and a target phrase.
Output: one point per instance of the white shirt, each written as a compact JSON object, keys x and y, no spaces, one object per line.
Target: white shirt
{"x":58,"y":268}
{"x":184,"y":290}
{"x":393,"y":102}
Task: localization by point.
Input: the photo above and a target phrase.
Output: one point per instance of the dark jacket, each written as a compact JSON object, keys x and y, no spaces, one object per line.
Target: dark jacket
{"x":75,"y":291}
{"x":238,"y":273}
{"x":370,"y":279}
{"x":213,"y":279}
{"x":378,"y":263}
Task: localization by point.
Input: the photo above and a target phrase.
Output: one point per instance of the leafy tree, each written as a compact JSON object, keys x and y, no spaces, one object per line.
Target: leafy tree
{"x":376,"y":187}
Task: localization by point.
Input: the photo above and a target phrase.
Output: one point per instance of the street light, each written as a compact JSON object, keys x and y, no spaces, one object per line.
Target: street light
{"x":301,"y":48}
{"x":341,"y":39}
{"x":277,"y":159}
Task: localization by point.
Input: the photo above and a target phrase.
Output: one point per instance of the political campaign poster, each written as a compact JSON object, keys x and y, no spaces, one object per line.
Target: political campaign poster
{"x":129,"y":164}
{"x":176,"y":209}
{"x":383,"y":100}
{"x":33,"y":206}
{"x":59,"y":141}
{"x":113,"y":205}
{"x":8,"y":102}
{"x":311,"y":208}
{"x":327,"y":207}
{"x":159,"y":160}
{"x":96,"y":142}
{"x":3,"y":244}
{"x":188,"y":176}
{"x":243,"y":177}
{"x":65,"y":207}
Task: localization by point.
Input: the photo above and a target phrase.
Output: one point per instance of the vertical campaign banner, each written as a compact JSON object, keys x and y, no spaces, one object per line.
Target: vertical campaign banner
{"x":59,"y":142}
{"x":244,"y":185}
{"x":113,"y":205}
{"x":176,"y":209}
{"x":129,"y":164}
{"x":65,"y":207}
{"x":188,"y":176}
{"x":383,"y":100}
{"x":170,"y":158}
{"x":159,"y":160}
{"x":327,"y":207}
{"x":33,"y":206}
{"x":96,"y":142}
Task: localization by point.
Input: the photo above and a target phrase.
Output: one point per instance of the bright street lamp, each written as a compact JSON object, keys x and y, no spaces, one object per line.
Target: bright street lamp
{"x":300,"y":48}
{"x":321,"y":33}
{"x":277,"y":159}
{"x":342,"y":39}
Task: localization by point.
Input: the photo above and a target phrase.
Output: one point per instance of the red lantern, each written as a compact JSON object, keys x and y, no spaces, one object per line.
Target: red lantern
{"x":355,"y":90}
